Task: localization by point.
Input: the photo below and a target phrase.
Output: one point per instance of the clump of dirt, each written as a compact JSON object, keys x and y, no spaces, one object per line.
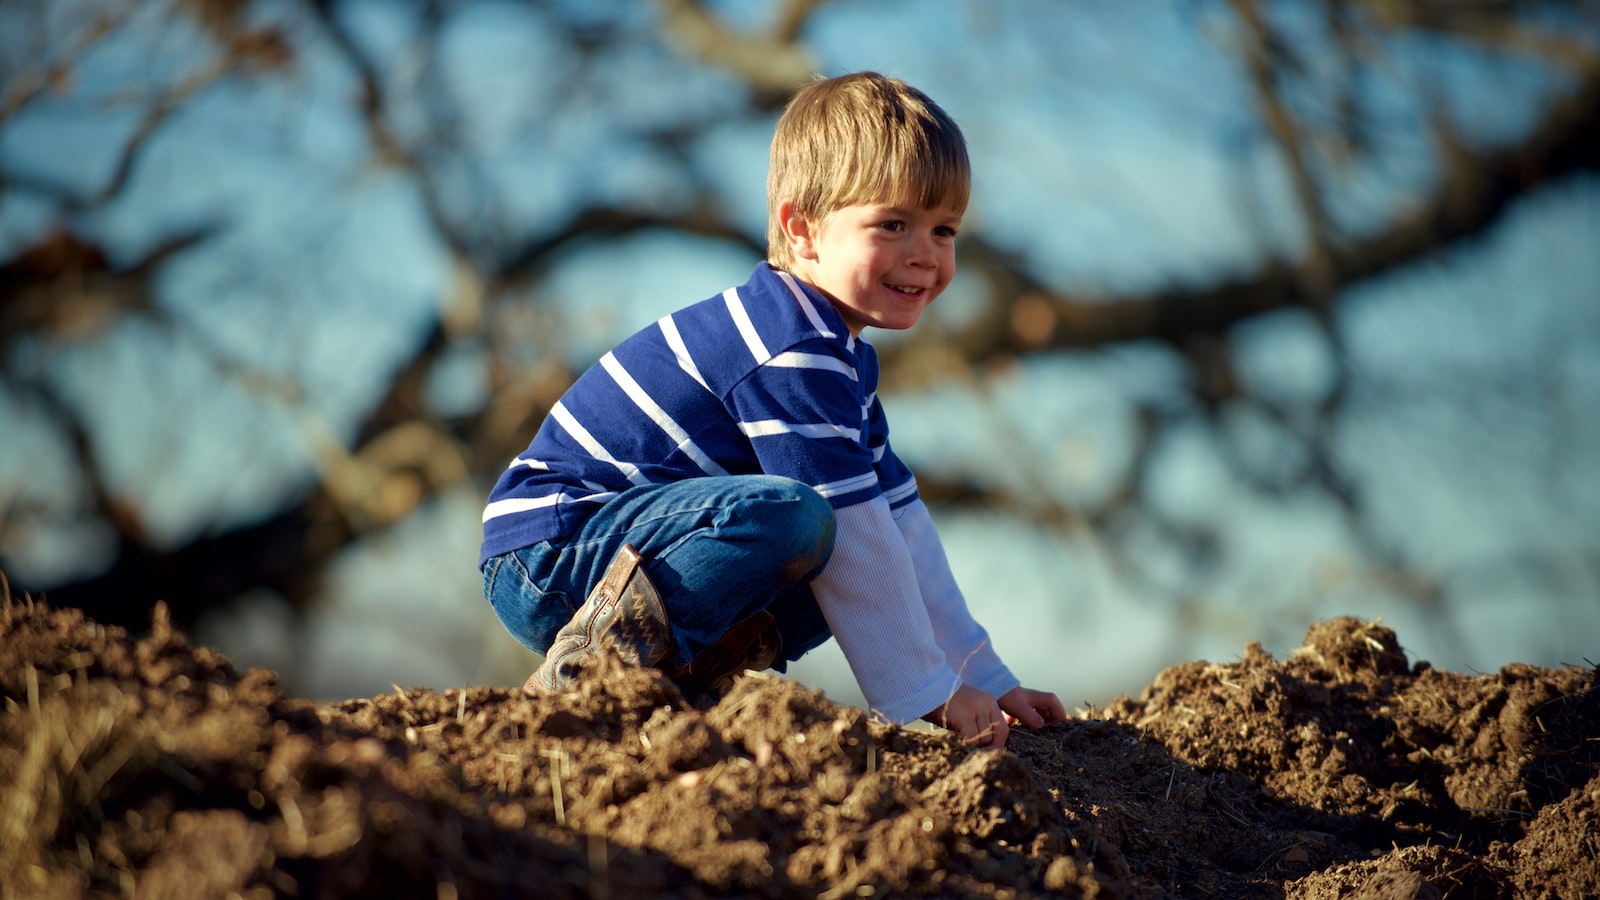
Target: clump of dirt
{"x":145,"y":766}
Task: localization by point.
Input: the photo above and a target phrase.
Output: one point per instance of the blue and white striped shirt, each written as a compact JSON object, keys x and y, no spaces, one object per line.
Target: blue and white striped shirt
{"x":763,"y":378}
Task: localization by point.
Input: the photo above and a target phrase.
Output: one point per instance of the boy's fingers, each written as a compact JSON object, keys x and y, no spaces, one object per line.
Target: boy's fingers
{"x":988,"y":734}
{"x":1022,"y":709}
{"x":1035,"y":716}
{"x":968,"y":728}
{"x":1042,"y":705}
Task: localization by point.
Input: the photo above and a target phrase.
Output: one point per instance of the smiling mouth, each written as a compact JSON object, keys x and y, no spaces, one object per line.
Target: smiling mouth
{"x":907,"y":290}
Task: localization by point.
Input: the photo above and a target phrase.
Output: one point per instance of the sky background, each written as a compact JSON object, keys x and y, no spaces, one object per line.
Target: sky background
{"x":1115,"y":148}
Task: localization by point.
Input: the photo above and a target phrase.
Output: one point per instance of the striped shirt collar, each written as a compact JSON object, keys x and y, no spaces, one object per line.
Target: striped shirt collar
{"x":813,"y":305}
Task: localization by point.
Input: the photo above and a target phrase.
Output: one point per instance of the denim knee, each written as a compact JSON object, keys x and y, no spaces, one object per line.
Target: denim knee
{"x":812,"y":527}
{"x":795,"y":521}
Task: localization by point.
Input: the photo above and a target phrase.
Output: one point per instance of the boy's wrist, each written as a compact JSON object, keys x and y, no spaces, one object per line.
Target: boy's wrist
{"x":924,"y":701}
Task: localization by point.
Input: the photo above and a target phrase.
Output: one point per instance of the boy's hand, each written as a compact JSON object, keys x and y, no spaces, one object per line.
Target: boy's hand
{"x":1030,"y":708}
{"x":974,"y":716}
{"x":979,"y":720}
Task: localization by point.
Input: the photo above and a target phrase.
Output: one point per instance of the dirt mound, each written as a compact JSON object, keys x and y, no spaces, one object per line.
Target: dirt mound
{"x":152,"y":768}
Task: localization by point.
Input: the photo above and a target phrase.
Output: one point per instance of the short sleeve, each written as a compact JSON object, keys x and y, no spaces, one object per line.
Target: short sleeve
{"x":804,"y":413}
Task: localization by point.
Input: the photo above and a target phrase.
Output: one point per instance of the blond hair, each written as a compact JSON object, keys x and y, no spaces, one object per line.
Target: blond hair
{"x":862,"y":138}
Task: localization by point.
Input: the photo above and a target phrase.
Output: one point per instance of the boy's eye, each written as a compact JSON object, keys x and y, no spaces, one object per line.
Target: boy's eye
{"x":892,"y":225}
{"x":945,"y":231}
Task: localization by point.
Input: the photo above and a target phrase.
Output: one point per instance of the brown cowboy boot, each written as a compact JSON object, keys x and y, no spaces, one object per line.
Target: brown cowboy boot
{"x":623,"y":614}
{"x":753,"y":643}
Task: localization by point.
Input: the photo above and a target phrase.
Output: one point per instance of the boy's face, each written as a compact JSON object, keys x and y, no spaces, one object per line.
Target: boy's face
{"x":879,"y":264}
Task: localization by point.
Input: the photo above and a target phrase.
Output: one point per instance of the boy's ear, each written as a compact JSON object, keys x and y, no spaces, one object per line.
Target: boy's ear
{"x":797,"y":231}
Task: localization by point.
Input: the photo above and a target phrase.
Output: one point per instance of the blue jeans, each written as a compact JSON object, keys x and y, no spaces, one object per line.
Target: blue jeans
{"x":717,"y":549}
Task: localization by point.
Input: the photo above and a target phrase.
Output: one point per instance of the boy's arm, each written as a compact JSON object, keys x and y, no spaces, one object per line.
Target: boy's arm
{"x":965,"y":643}
{"x":869,"y":594}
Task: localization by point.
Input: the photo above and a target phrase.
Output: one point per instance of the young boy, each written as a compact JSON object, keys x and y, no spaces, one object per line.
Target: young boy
{"x":718,"y":492}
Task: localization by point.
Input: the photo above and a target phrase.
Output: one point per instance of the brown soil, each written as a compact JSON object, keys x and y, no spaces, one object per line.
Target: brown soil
{"x":151,"y":768}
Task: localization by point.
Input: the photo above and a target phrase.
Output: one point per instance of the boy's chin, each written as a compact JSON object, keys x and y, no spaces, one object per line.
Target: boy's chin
{"x":904,"y":320}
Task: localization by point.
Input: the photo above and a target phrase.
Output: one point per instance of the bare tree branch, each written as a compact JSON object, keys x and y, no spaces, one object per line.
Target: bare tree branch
{"x":1475,"y":191}
{"x":1264,"y":55}
{"x":772,"y":64}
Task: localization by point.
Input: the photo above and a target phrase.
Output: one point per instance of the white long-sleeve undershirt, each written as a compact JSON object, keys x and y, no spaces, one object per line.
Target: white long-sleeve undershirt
{"x":965,"y":642}
{"x":893,"y":605}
